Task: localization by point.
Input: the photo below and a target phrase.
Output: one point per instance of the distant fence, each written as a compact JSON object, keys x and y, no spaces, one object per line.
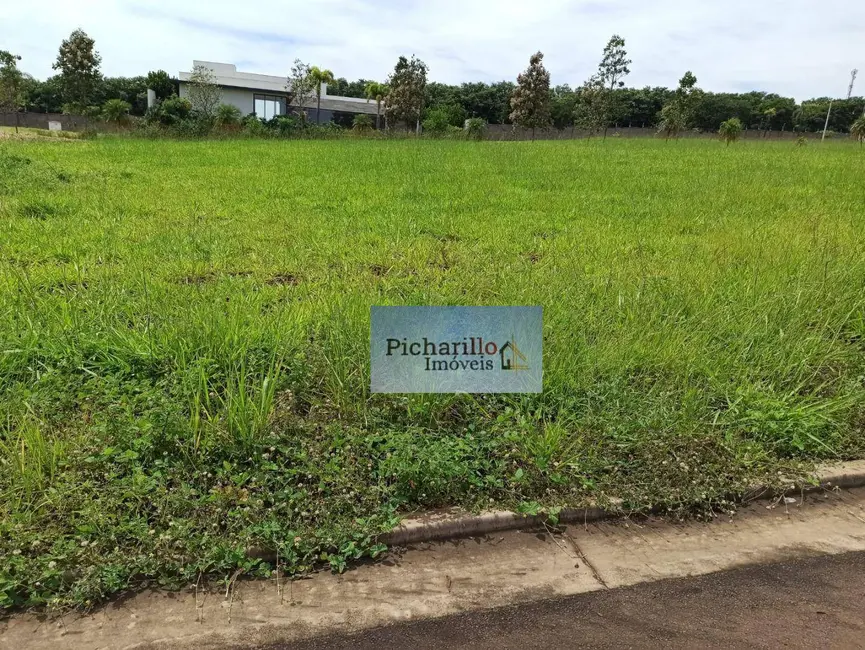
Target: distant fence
{"x":40,"y":121}
{"x":508,"y":132}
{"x":494,"y":131}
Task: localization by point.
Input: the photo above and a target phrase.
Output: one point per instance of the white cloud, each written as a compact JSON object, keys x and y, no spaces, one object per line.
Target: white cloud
{"x":792,"y":48}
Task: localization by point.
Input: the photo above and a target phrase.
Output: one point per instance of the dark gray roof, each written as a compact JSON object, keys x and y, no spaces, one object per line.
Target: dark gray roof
{"x":340,"y":104}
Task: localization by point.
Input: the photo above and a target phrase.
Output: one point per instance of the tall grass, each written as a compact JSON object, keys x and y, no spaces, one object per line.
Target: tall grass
{"x":30,"y":458}
{"x":180,"y":318}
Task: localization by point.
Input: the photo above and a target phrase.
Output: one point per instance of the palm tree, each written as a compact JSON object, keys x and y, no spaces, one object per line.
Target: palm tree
{"x":375,"y":90}
{"x":858,"y":130}
{"x":320,"y":77}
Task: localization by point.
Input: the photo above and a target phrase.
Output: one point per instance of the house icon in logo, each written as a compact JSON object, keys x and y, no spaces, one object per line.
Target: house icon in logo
{"x":512,"y":358}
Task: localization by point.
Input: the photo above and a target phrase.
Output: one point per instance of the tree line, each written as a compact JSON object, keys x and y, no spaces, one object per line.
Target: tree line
{"x":407,"y":98}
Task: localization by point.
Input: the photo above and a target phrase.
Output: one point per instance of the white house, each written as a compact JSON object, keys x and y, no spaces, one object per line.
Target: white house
{"x":266,"y":95}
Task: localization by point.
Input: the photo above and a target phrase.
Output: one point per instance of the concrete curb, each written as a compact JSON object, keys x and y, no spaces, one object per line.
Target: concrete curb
{"x":453,"y":524}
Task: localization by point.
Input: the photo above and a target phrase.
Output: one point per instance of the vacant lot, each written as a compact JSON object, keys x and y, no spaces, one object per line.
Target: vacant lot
{"x":184,"y":355}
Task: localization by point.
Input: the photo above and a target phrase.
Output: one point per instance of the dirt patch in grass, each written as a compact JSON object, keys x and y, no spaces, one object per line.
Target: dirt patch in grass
{"x":284,"y":280}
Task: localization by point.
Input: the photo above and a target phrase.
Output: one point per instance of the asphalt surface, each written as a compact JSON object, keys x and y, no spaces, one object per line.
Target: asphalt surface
{"x":810,"y":602}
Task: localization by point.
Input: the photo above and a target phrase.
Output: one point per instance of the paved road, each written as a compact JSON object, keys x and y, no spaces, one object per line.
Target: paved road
{"x":816,"y":602}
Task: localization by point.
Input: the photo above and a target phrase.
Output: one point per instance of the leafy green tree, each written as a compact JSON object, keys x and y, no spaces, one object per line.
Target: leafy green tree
{"x":407,"y":83}
{"x":78,"y":63}
{"x":375,"y":91}
{"x":611,"y":73}
{"x":345,"y":88}
{"x":857,"y":129}
{"x":301,"y":87}
{"x":563,"y":103}
{"x":845,"y":112}
{"x":204,"y":92}
{"x":116,"y":111}
{"x":590,"y":111}
{"x":530,"y":102}
{"x":129,"y":89}
{"x":678,"y":114}
{"x":642,"y":106}
{"x":319,"y":77}
{"x":777,"y":112}
{"x":672,"y":121}
{"x":687,"y":95}
{"x":439,"y":94}
{"x":490,"y":102}
{"x":714,"y":108}
{"x":160,"y":83}
{"x":453,"y":113}
{"x":42,"y":96}
{"x":170,"y":112}
{"x":730,"y":130}
{"x":476,"y":128}
{"x":437,"y":121}
{"x":811,"y":114}
{"x":11,"y":84}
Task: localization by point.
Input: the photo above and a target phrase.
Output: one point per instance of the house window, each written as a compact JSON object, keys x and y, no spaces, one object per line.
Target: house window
{"x":268,"y":106}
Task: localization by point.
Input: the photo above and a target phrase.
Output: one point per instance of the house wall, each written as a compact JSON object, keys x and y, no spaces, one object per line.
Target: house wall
{"x":238,"y":97}
{"x":244,"y":99}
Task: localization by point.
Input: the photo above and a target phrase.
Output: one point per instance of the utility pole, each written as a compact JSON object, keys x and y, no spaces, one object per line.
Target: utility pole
{"x":826,"y":125}
{"x":853,"y":74}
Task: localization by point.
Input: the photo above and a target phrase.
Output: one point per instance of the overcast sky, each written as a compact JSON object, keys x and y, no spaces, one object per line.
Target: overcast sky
{"x":798,"y":48}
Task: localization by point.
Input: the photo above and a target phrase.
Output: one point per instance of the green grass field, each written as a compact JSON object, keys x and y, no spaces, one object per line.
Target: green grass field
{"x":184,"y":362}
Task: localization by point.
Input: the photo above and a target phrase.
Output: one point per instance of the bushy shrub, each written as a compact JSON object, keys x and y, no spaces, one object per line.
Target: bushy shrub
{"x":150,"y":129}
{"x":152,"y":114}
{"x":72,"y":108}
{"x":169,"y":111}
{"x":116,"y":111}
{"x":228,"y":115}
{"x":253,"y":126}
{"x":476,"y":128}
{"x":285,"y":125}
{"x":453,"y":114}
{"x":730,"y":130}
{"x":321,"y":131}
{"x":362,"y":123}
{"x":160,"y":82}
{"x":194,"y":126}
{"x":436,"y":122}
